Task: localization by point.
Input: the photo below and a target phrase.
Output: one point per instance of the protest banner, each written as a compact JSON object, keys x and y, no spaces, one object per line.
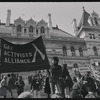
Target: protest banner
{"x":23,"y":57}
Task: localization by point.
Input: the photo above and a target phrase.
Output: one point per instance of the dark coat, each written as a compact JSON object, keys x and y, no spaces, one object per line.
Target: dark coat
{"x":47,"y":86}
{"x":54,"y":73}
{"x":67,"y":82}
{"x":20,"y":86}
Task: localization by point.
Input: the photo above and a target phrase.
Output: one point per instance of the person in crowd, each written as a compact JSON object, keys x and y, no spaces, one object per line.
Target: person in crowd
{"x":35,"y":86}
{"x":3,"y":88}
{"x":26,"y":94}
{"x":92,"y":93}
{"x":83,"y":89}
{"x":14,"y":79}
{"x":98,"y":90}
{"x":75,"y":93}
{"x":67,"y":81}
{"x":29,"y":79}
{"x":19,"y":85}
{"x":10,"y":84}
{"x":47,"y":86}
{"x":55,"y":75}
{"x":89,"y":81}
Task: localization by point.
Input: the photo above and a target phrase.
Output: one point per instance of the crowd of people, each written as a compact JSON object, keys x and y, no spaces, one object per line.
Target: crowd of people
{"x":56,"y":84}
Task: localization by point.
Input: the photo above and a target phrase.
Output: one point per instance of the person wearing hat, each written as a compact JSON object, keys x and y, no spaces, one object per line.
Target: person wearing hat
{"x":55,"y":75}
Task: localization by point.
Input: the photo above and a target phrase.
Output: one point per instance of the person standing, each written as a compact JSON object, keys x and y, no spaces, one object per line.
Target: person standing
{"x":36,"y":86}
{"x":19,"y":85}
{"x":67,"y":81}
{"x":89,"y":81}
{"x":10,"y":84}
{"x":3,"y":88}
{"x":47,"y":86}
{"x":55,"y":75}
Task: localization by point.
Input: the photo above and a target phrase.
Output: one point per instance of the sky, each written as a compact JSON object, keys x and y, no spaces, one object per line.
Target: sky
{"x":62,"y":13}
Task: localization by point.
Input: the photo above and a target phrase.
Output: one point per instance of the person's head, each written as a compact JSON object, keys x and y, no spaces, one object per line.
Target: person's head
{"x":89,"y":74}
{"x":8,"y":75}
{"x":55,"y":60}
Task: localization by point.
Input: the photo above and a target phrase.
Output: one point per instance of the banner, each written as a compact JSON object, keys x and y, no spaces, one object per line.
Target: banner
{"x":84,"y":69}
{"x":24,"y":57}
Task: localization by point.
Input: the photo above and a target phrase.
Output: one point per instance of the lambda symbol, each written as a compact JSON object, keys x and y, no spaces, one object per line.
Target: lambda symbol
{"x":37,"y":50}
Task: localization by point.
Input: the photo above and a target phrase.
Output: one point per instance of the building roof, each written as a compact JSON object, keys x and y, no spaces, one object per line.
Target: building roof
{"x":60,"y":33}
{"x":4,"y":29}
{"x":84,"y":19}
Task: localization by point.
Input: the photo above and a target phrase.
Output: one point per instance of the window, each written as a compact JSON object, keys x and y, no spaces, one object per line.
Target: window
{"x":95,"y":19}
{"x":73,"y":51}
{"x":42,"y":30}
{"x":92,"y":22}
{"x":93,"y":36}
{"x":90,"y":36}
{"x":95,"y":51}
{"x":99,"y":36}
{"x":80,"y":51}
{"x":64,"y":50}
{"x":31,"y":29}
{"x":25,"y":30}
{"x":19,"y":28}
{"x":36,"y":31}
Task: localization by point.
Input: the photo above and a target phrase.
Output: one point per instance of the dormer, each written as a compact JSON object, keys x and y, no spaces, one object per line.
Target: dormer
{"x":19,"y":21}
{"x":42,"y":23}
{"x":31,"y":22}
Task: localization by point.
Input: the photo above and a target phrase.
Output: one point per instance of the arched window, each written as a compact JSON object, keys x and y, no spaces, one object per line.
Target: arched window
{"x":31,"y":29}
{"x":92,"y":21}
{"x":80,"y":51}
{"x":64,"y":50}
{"x":25,"y":30}
{"x":95,"y":50}
{"x":19,"y":28}
{"x":73,"y":51}
{"x":93,"y":36}
{"x":42,"y":30}
{"x":36,"y":31}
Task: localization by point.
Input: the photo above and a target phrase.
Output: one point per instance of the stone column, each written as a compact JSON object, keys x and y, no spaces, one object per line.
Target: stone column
{"x":98,"y":50}
{"x":34,"y":32}
{"x":69,"y":51}
{"x":39,"y":31}
{"x":84,"y":52}
{"x":89,"y":51}
{"x":77,"y":52}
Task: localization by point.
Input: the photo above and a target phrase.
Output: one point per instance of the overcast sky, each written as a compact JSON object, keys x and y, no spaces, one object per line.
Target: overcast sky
{"x":62,"y":13}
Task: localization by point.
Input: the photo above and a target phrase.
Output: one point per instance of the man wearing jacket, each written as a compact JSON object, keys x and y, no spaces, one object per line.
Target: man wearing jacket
{"x":55,"y":76}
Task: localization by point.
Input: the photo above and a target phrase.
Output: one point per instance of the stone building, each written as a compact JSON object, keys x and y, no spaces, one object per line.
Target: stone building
{"x":80,"y":49}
